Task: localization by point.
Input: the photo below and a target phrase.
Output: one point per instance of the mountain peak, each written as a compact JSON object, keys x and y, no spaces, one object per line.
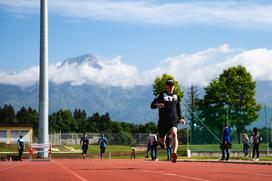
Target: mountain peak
{"x":83,"y":59}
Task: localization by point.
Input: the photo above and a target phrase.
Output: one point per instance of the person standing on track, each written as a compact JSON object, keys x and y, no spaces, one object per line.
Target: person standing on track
{"x":245,"y":141}
{"x":148,"y":147}
{"x":152,"y":139}
{"x":225,"y":146}
{"x":20,"y":146}
{"x":85,"y":144}
{"x":168,"y":104}
{"x":103,"y":144}
{"x":255,"y":140}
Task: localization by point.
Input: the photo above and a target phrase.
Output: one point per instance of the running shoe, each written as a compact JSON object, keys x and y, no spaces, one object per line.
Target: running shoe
{"x":174,"y":157}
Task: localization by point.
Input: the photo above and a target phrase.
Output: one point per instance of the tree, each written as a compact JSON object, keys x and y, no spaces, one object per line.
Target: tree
{"x":104,"y":124}
{"x":116,"y":127}
{"x":159,"y":85}
{"x":193,"y":108}
{"x":7,"y":115}
{"x":124,"y":138}
{"x":232,"y":98}
{"x":80,"y":117}
{"x":22,"y":115}
{"x":62,"y":120}
{"x":33,"y":118}
{"x":149,"y":127}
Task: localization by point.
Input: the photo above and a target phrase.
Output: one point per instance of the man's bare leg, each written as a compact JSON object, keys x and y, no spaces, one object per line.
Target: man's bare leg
{"x":174,"y":134}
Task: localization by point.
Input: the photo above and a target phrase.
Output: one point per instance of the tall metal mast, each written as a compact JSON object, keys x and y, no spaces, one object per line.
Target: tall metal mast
{"x":43,"y":83}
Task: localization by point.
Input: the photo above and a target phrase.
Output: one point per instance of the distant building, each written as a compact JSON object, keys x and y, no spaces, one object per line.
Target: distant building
{"x":9,"y":134}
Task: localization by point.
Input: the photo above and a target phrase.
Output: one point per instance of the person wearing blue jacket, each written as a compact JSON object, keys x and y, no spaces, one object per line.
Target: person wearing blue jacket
{"x":103,"y":144}
{"x":225,"y":147}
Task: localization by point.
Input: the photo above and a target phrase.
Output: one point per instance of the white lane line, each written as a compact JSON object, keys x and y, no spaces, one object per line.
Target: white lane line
{"x":70,"y":171}
{"x":165,"y":174}
{"x":223,"y":171}
{"x":175,"y":175}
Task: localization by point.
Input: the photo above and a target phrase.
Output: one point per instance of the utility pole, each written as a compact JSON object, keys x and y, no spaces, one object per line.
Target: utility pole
{"x":43,"y":82}
{"x":267,"y":138}
{"x":188,"y":148}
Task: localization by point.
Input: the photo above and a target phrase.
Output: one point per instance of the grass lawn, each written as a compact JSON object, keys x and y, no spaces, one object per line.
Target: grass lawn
{"x":119,"y":151}
{"x":215,"y":147}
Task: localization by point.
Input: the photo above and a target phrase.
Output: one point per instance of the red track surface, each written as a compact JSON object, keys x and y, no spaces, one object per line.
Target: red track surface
{"x":130,"y":170}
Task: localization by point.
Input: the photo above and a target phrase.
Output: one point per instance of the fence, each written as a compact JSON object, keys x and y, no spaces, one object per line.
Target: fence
{"x":117,"y":139}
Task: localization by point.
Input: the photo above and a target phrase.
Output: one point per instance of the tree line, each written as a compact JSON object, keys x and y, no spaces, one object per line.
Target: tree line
{"x":67,"y":121}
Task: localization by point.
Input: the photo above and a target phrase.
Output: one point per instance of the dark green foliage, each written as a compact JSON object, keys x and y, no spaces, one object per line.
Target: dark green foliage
{"x":124,"y":138}
{"x":193,"y":103}
{"x":68,"y":122}
{"x":231,"y":98}
{"x":62,"y":121}
{"x":159,"y":85}
{"x":7,"y":115}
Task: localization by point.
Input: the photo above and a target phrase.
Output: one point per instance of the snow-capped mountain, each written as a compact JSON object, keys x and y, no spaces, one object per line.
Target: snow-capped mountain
{"x":84,"y":59}
{"x":75,"y":89}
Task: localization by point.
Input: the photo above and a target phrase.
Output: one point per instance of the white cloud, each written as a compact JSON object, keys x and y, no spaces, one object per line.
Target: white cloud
{"x":249,"y":14}
{"x":24,"y":78}
{"x":112,"y":73}
{"x":201,"y":67}
{"x":197,"y":68}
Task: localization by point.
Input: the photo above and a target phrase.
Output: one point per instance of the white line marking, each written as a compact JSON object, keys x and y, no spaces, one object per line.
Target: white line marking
{"x":174,"y":175}
{"x":70,"y":171}
{"x":223,"y":171}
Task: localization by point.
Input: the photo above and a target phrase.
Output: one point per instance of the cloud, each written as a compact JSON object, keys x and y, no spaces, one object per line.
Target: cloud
{"x":202,"y":67}
{"x":247,"y":14}
{"x":26,"y":77}
{"x":196,"y":68}
{"x":110,"y":73}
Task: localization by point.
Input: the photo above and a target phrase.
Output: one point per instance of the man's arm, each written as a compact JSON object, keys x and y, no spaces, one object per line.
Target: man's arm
{"x":181,"y":120}
{"x":178,"y":108}
{"x":156,"y":104}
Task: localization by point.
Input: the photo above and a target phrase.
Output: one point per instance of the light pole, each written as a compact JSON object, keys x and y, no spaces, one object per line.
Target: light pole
{"x":43,"y":82}
{"x":267,"y":131}
{"x":188,"y":148}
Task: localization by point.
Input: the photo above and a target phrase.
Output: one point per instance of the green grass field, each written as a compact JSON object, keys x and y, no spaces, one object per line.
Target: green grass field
{"x":119,"y":151}
{"x":121,"y":148}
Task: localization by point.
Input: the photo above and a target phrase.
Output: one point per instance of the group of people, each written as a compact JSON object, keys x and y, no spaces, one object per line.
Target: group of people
{"x":168,"y":105}
{"x":253,"y":142}
{"x":152,"y":143}
{"x":102,"y":141}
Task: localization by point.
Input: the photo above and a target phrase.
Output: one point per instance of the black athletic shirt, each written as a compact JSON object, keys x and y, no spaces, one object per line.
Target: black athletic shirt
{"x":171,"y":110}
{"x":85,"y":141}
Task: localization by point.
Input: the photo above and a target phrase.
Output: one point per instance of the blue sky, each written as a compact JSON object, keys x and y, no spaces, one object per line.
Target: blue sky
{"x":147,"y":36}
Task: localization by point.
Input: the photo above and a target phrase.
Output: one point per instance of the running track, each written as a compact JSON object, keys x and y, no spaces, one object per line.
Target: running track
{"x":130,"y":170}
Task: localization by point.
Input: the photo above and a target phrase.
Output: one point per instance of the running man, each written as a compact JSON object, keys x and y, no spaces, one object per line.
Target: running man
{"x":168,"y":104}
{"x":103,"y":144}
{"x":85,"y":144}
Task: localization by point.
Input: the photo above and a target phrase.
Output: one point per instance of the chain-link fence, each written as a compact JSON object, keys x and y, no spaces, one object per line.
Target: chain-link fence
{"x":113,"y":139}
